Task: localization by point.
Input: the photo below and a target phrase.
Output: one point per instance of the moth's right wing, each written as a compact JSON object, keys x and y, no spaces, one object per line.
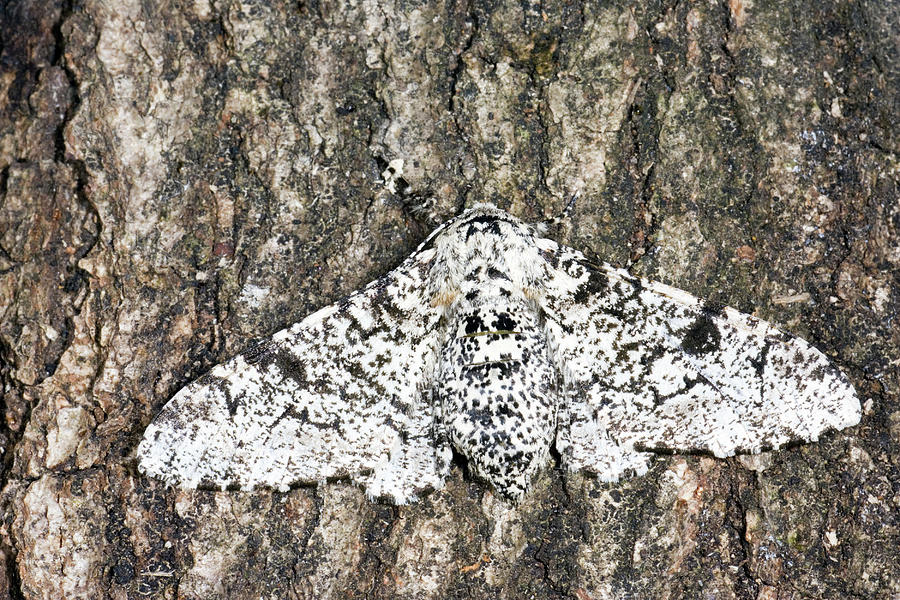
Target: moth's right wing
{"x":342,"y":393}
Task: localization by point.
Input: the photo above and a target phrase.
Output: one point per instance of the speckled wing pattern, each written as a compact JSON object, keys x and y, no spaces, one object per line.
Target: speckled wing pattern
{"x":342,"y":393}
{"x":501,"y":344}
{"x":652,"y":368}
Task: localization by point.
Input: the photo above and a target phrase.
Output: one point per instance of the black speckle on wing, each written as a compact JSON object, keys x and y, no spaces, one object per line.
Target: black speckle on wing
{"x":551,"y":257}
{"x":231,"y":402}
{"x":759,"y":361}
{"x":291,"y":412}
{"x":383,"y":304}
{"x":688,"y":383}
{"x":701,"y":337}
{"x":713,"y":308}
{"x":302,"y":416}
{"x":597,"y":281}
{"x":289,"y":366}
{"x":259,"y":352}
{"x":818,"y":373}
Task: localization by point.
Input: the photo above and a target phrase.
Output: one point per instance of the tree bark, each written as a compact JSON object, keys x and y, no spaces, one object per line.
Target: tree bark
{"x":180,"y":179}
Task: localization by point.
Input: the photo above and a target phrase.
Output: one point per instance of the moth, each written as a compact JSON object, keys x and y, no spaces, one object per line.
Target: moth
{"x":500,"y":344}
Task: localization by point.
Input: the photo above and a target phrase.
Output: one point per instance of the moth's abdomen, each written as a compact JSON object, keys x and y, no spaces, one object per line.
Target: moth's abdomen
{"x":497,"y":391}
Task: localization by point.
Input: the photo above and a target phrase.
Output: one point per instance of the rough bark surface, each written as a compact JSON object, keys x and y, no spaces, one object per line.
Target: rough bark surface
{"x":180,"y":178}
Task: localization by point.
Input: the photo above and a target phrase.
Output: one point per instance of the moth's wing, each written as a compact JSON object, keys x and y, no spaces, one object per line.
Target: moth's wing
{"x":650,"y":367}
{"x":342,"y":393}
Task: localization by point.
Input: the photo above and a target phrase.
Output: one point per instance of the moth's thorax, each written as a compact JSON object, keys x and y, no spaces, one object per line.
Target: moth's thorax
{"x":487,"y":247}
{"x":496,"y":384}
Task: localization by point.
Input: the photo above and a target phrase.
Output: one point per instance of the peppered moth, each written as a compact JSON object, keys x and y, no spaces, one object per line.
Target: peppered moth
{"x":501,"y":344}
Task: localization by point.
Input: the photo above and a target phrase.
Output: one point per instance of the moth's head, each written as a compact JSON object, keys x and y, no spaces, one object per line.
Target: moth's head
{"x":486,"y":232}
{"x":478,"y":221}
{"x":484,"y":213}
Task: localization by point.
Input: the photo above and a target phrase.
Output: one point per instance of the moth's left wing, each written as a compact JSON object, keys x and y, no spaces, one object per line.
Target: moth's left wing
{"x":651,"y":367}
{"x":343,"y":393}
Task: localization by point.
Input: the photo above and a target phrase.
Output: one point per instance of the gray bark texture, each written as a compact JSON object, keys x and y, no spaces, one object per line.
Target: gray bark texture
{"x":181,"y":178}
